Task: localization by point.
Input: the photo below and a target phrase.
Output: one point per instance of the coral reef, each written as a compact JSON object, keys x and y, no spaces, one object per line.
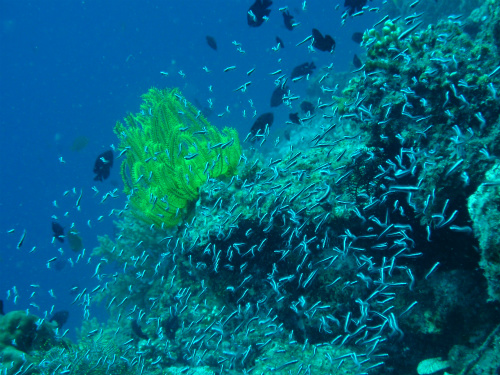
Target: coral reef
{"x":484,"y":209}
{"x":21,"y":334}
{"x":483,"y":359}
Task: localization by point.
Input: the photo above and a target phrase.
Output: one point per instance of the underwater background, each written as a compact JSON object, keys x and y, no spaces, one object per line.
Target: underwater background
{"x":250,"y":187}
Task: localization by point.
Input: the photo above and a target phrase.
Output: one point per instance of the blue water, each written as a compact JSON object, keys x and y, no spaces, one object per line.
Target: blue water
{"x":71,"y":69}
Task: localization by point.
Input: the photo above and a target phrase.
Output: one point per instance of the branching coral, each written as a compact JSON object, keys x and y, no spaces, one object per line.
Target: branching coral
{"x":171,"y":150}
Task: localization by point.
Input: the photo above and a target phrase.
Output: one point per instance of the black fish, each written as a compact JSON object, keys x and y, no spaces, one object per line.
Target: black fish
{"x":303,"y":69}
{"x":211,"y":42}
{"x":60,"y":317}
{"x":288,"y":18}
{"x":357,"y":37}
{"x":103,"y":165}
{"x":259,"y":126}
{"x":306,"y":106}
{"x":354,"y":6}
{"x":323,"y":43}
{"x":58,"y":231}
{"x":136,"y":328}
{"x":257,"y":12}
{"x":1,"y":308}
{"x":277,"y":97}
{"x":356,"y":61}
{"x":280,"y":42}
{"x":294,"y":117}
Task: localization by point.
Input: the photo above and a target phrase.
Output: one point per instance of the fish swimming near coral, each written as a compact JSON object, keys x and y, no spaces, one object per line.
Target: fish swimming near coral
{"x":60,"y":317}
{"x":263,"y":121}
{"x":1,"y":308}
{"x":211,"y":42}
{"x":303,"y":70}
{"x":288,"y":19}
{"x":306,"y":107}
{"x":277,"y":96}
{"x":58,"y":231}
{"x":323,"y":43}
{"x":357,"y":37}
{"x":258,"y":12}
{"x":354,"y":6}
{"x":136,"y":328}
{"x":294,"y":117}
{"x":102,"y":165}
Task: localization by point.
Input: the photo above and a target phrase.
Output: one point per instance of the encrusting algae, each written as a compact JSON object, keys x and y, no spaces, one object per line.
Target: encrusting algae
{"x":171,"y":150}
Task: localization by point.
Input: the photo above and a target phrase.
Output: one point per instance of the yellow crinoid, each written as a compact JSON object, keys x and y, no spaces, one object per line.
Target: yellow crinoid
{"x":170,"y":151}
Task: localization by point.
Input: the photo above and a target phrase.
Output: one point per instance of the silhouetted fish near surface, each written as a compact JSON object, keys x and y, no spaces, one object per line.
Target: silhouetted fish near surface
{"x":60,"y":317}
{"x":280,"y":42}
{"x":257,"y":12}
{"x":58,"y":231}
{"x":277,"y":96}
{"x":259,"y":126}
{"x":357,"y":37}
{"x":356,"y":61}
{"x":102,"y":166}
{"x":211,"y":42}
{"x":323,"y":43}
{"x":303,"y":70}
{"x":288,"y":19}
{"x":294,"y":117}
{"x":354,"y":6}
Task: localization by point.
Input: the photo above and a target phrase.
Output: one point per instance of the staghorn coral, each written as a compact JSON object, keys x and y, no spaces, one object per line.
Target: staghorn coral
{"x":171,"y":150}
